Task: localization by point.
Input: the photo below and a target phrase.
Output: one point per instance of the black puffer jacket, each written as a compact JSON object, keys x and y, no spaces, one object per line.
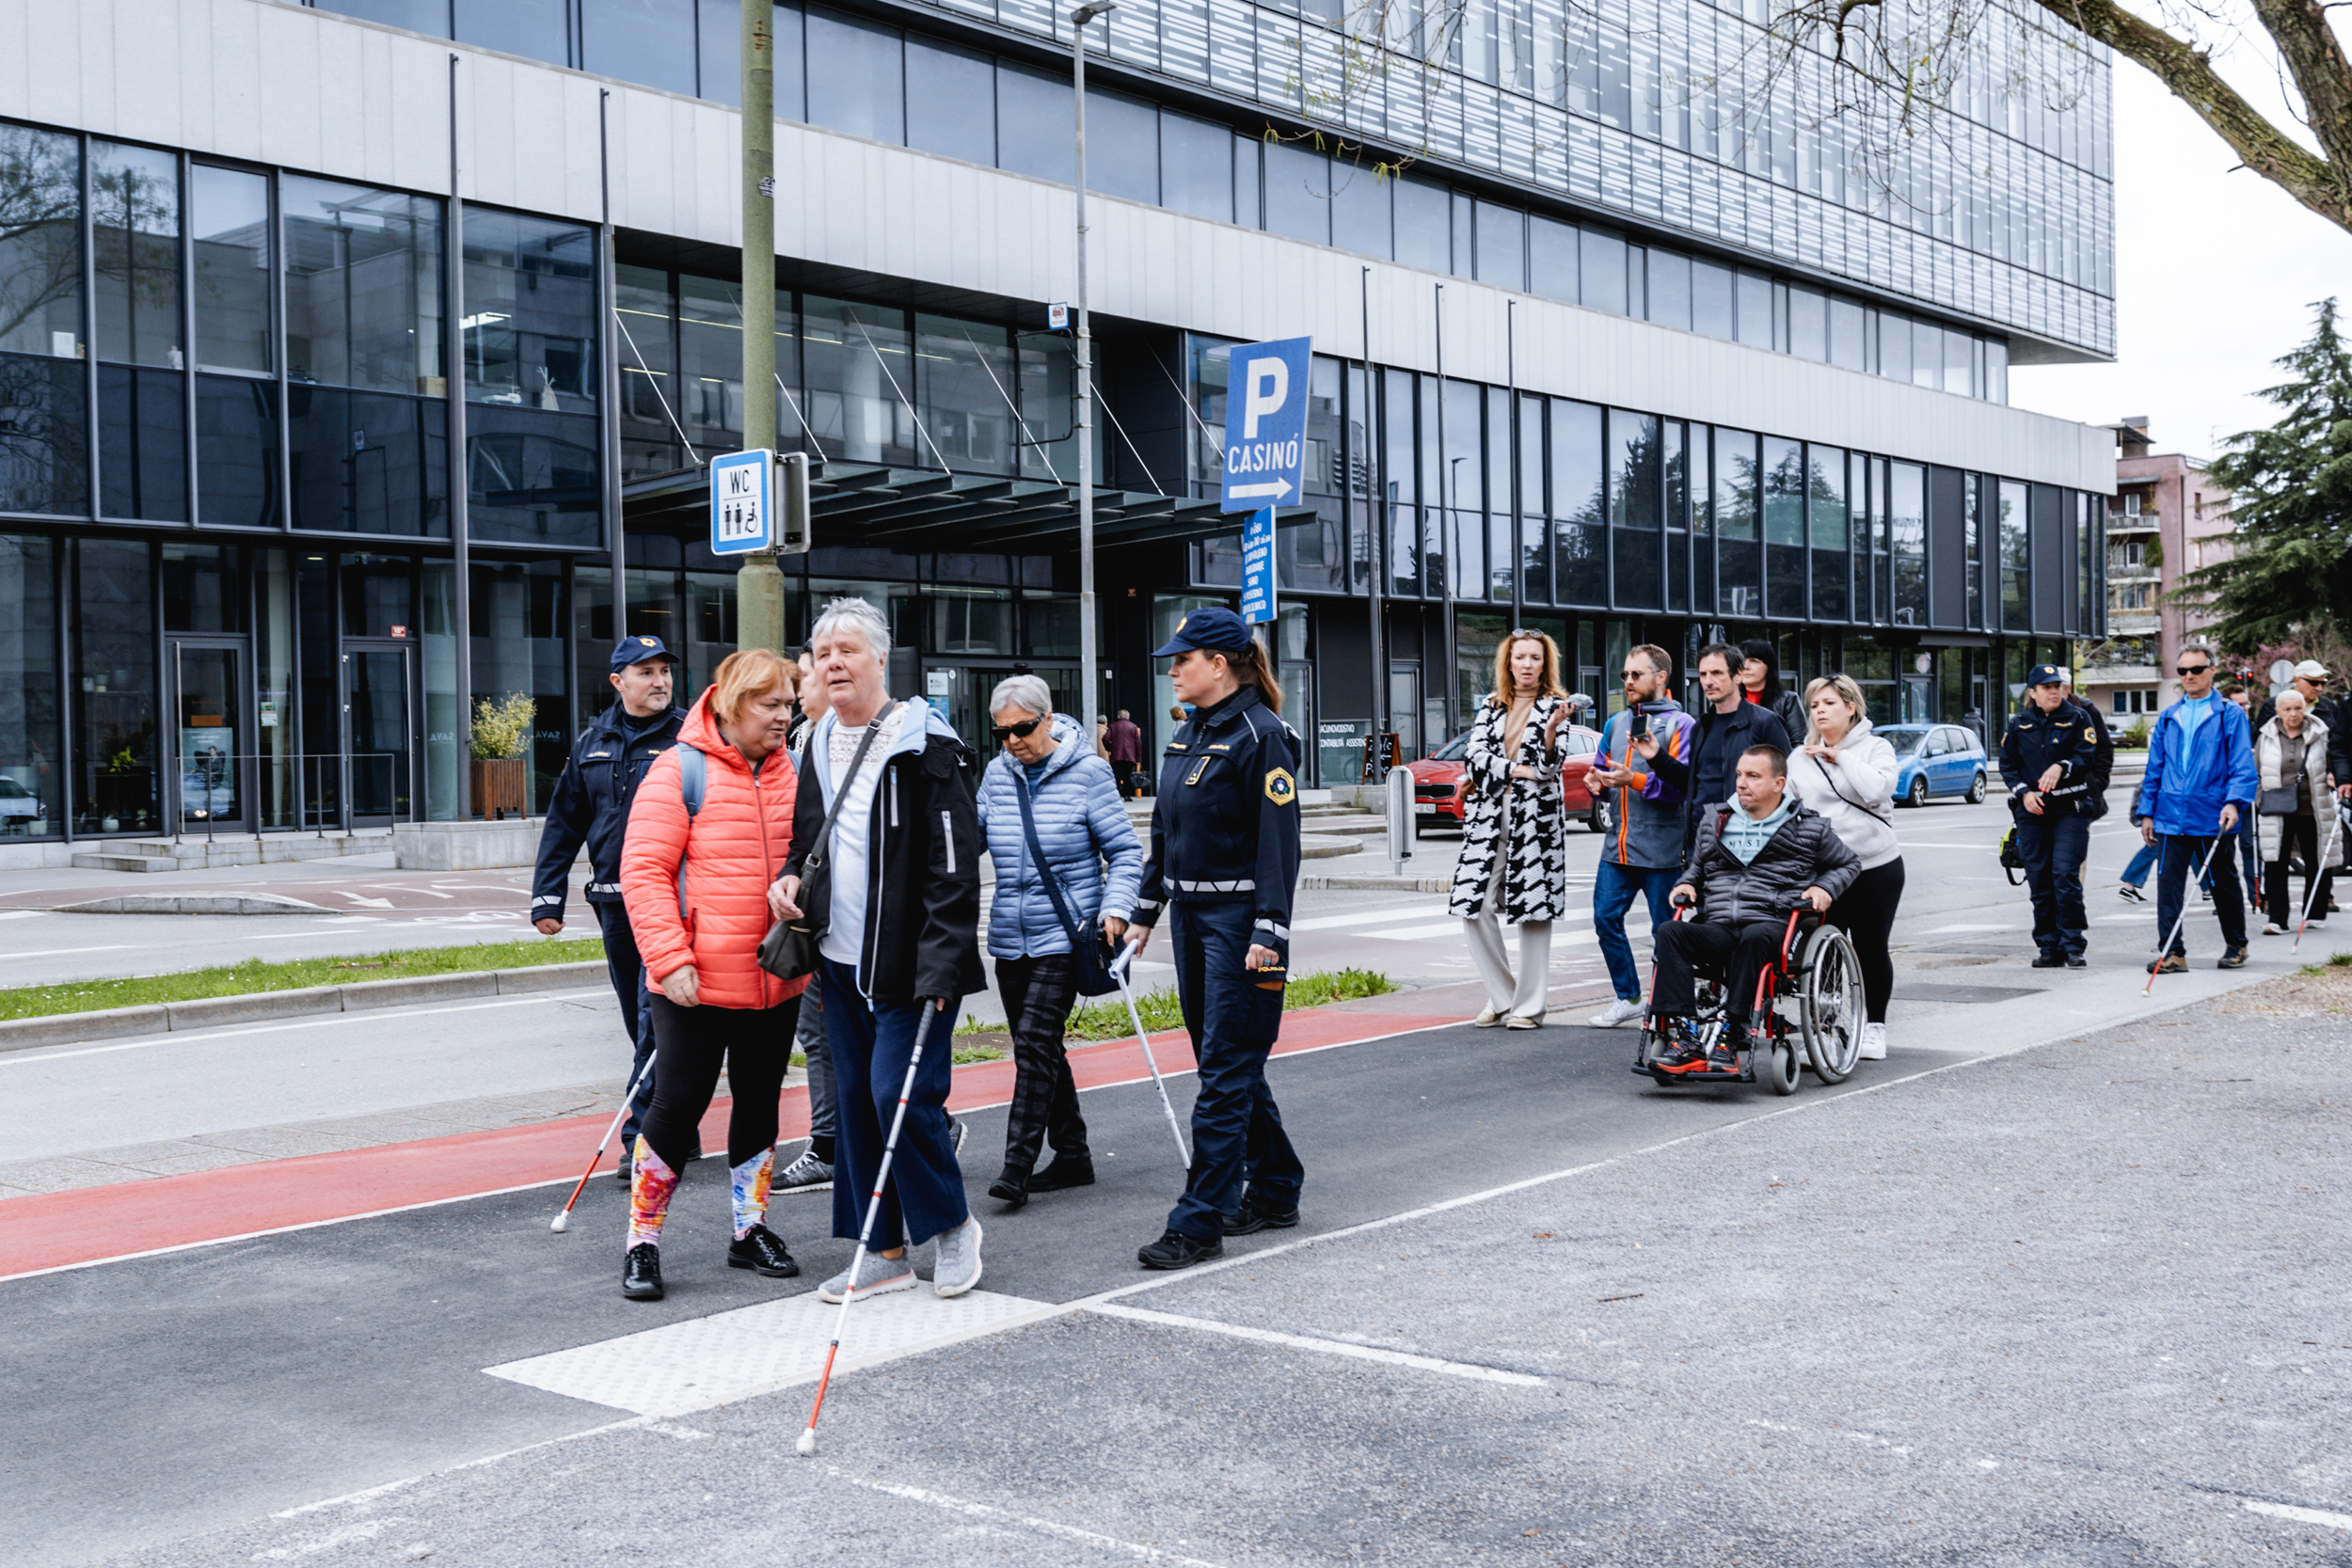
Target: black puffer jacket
{"x":1801,"y":854}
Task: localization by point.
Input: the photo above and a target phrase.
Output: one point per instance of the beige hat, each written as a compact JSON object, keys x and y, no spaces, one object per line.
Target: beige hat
{"x":2311,"y":669}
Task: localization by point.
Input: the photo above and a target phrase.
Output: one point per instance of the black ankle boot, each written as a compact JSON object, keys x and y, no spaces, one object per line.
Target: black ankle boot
{"x":640,"y":1273}
{"x":1012,"y":1187}
{"x":1065,"y":1172}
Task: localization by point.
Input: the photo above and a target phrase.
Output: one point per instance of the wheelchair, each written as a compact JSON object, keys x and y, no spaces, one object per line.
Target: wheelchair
{"x":1807,"y":1012}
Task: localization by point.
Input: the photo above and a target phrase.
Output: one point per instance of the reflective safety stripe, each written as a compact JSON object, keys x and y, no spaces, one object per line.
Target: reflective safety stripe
{"x":600,"y":887}
{"x":1282,"y":933}
{"x":1247,"y":885}
{"x":550,"y":898}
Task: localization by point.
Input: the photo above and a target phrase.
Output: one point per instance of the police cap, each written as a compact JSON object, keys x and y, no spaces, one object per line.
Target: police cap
{"x":1215,"y":630}
{"x":2046,"y":674}
{"x":639,"y":650}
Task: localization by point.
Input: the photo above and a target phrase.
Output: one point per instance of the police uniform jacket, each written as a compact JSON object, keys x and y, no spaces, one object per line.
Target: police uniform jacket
{"x":1225,"y":826}
{"x":591,"y":806}
{"x":2033,"y":742}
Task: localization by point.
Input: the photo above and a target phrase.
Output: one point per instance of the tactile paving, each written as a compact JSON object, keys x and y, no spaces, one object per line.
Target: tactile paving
{"x":685,"y":1367}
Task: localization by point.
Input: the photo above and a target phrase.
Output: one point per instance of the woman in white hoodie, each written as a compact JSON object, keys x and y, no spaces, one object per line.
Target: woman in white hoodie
{"x":1847,"y":773}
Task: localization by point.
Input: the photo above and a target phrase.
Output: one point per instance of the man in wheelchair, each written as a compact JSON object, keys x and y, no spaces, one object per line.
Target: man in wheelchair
{"x":1758,"y":857}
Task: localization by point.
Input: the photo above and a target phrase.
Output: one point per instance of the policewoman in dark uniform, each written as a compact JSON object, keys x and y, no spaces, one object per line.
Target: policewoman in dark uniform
{"x":1225,"y":858}
{"x":591,"y":806}
{"x":2050,"y":762}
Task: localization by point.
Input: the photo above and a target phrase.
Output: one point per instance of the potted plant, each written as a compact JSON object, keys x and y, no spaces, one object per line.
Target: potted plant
{"x":500,"y":731}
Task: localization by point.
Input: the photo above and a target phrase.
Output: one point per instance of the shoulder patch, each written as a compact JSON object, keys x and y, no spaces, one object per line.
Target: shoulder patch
{"x":1279,"y":787}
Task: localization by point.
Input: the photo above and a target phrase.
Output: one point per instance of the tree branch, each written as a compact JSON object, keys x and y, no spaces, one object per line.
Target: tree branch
{"x":2314,"y":57}
{"x":2263,"y":148}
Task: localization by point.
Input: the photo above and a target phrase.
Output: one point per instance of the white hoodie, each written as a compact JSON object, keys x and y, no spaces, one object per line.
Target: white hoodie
{"x":1857,"y":794}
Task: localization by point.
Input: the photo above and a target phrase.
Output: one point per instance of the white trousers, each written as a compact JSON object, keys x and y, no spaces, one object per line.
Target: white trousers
{"x":1530,"y":993}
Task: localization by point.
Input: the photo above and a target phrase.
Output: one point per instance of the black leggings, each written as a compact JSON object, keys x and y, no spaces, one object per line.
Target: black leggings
{"x":2298,"y":835}
{"x":1866,"y":916}
{"x":689,"y":1043}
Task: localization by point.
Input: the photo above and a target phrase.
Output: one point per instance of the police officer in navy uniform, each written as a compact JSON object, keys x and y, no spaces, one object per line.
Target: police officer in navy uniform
{"x":2051,"y":764}
{"x":591,"y":806}
{"x":1225,"y":857}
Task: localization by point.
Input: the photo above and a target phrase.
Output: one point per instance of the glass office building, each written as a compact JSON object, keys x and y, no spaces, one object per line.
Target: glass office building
{"x":328,"y":411}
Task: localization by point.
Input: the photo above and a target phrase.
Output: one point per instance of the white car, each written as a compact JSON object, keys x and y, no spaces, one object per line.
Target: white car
{"x":20,"y":808}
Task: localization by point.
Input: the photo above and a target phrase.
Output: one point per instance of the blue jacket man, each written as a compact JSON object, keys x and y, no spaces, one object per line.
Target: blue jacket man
{"x":591,"y":807}
{"x":2050,"y":762}
{"x":2200,"y":781}
{"x":1649,"y":818}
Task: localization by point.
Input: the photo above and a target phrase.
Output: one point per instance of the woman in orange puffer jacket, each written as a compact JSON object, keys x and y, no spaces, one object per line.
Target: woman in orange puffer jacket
{"x":696,"y":886}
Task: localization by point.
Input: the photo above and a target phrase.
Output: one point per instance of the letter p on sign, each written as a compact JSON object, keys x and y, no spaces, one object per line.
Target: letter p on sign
{"x":1265,"y":389}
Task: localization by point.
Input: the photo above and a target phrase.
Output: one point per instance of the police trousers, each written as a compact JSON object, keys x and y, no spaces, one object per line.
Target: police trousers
{"x":1237,"y":1134}
{"x":626,"y":970}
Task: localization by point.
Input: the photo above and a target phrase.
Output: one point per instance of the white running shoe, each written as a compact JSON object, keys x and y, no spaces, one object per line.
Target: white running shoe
{"x":1873,"y":1042}
{"x":1487,"y":1019}
{"x":1615,"y":1014}
{"x":877,"y":1277}
{"x":2271,"y":929}
{"x":956,"y":1266}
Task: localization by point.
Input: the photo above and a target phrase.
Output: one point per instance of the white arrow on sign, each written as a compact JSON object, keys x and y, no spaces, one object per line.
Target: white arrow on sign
{"x":1278,"y":489}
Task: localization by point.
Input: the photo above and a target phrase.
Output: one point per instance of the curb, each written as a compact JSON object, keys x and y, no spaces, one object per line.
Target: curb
{"x":25,"y":1033}
{"x":193,"y":903}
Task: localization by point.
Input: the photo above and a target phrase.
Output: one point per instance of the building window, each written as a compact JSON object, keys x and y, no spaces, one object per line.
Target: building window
{"x":44,"y":465}
{"x":1972,"y":525}
{"x":1739,"y":514}
{"x":1634,"y":485}
{"x":114,"y":712}
{"x":2132,"y":595}
{"x":2016,"y":558}
{"x":1831,"y":532}
{"x":1908,"y":485}
{"x":1580,"y":545}
{"x":1783,"y":529}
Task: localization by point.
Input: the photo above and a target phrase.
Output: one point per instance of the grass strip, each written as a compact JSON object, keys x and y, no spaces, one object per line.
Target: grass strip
{"x":254,"y":975}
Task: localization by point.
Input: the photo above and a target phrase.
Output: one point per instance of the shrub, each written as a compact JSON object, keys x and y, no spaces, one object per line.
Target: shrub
{"x":501,"y":730}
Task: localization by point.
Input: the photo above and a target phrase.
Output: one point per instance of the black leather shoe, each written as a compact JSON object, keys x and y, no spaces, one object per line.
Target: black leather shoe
{"x":2049,"y":960}
{"x":1256,"y":1217}
{"x":640,"y":1273}
{"x":2076,"y":960}
{"x":763,"y":1249}
{"x":1177,"y":1251}
{"x":1063,"y":1174}
{"x":1012,"y":1187}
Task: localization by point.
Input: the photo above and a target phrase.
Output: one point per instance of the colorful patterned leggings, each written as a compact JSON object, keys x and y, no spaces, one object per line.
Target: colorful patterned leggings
{"x":690,"y":1046}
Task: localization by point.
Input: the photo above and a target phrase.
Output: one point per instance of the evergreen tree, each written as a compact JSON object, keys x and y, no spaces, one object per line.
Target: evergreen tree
{"x":2292,"y":505}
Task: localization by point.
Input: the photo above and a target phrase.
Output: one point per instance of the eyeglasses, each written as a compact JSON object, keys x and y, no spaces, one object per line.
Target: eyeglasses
{"x":1021,"y":731}
{"x":2190,"y":669}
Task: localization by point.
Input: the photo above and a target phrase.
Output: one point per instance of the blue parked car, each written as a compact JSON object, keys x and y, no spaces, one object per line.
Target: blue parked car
{"x":1937,"y":759}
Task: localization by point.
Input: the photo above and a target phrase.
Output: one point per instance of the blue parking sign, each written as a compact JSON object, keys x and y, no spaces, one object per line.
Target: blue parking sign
{"x":1265,"y":424}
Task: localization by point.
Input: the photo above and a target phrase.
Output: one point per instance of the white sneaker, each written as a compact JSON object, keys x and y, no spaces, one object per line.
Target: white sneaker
{"x":1487,"y":1019}
{"x":1615,"y":1014}
{"x":2270,"y":930}
{"x":1873,"y":1042}
{"x":956,"y":1266}
{"x":877,"y":1277}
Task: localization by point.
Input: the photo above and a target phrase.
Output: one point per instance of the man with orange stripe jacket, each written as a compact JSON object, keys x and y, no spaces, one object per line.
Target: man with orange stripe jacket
{"x":1648,"y":817}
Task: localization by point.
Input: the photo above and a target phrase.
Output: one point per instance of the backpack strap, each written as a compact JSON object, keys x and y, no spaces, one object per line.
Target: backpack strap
{"x":693,"y":779}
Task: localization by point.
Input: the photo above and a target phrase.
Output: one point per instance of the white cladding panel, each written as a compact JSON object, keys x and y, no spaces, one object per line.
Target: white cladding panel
{"x":278,"y":83}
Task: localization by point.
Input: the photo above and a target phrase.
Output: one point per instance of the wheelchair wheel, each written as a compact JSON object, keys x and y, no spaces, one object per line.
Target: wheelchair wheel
{"x":1831,"y":1005}
{"x":1776,"y":1062}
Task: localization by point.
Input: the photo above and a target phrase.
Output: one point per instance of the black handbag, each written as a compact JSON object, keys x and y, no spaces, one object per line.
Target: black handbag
{"x":2280,"y":801}
{"x":1090,"y":949}
{"x":788,"y":950}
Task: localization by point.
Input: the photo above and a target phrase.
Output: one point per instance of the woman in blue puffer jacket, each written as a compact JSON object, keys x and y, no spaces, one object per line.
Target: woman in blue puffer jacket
{"x":1079,"y":822}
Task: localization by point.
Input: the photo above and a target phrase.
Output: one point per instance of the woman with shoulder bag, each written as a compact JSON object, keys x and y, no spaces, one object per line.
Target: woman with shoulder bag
{"x":710,"y":828}
{"x":1513,"y":864}
{"x":2291,"y":759}
{"x":1847,"y":773}
{"x":1052,"y":816}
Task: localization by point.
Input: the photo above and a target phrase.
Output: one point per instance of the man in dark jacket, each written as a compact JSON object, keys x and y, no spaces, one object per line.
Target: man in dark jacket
{"x":591,"y":806}
{"x":1757,"y":859}
{"x":899,"y":905}
{"x":1728,"y":725}
{"x":2050,"y":766}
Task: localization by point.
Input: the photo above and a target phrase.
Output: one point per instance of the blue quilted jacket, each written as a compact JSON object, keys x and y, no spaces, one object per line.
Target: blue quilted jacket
{"x":1081,"y":824}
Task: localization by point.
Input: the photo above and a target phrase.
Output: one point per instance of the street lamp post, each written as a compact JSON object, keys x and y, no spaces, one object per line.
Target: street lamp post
{"x":1089,"y":680}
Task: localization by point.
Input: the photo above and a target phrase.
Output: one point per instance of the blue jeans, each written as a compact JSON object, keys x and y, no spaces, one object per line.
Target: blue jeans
{"x":628,"y":973}
{"x":1614,"y":887}
{"x":2052,"y":848}
{"x":1237,"y":1130}
{"x":871,"y":1044}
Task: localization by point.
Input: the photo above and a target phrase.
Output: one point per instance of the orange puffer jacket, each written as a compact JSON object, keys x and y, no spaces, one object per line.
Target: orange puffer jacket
{"x":731,"y":849}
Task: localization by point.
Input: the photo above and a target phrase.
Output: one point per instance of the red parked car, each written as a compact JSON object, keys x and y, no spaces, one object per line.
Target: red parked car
{"x":1437,"y":780}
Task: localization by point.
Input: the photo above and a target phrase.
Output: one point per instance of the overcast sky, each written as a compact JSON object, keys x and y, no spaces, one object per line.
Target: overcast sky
{"x":2214,"y":273}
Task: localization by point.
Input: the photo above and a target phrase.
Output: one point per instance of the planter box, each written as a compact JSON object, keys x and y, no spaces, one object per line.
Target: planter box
{"x":499,"y":788}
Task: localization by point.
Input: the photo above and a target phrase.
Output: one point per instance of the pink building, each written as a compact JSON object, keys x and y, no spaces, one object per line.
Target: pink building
{"x":2167,"y":517}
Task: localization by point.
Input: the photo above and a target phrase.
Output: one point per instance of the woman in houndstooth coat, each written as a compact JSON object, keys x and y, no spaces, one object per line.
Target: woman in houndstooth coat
{"x":1513,"y":866}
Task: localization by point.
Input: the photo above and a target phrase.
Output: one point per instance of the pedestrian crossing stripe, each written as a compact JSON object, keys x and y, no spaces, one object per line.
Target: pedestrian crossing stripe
{"x":1279,"y":787}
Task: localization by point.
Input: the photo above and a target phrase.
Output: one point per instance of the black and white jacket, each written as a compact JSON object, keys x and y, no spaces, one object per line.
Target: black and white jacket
{"x":1535,"y":872}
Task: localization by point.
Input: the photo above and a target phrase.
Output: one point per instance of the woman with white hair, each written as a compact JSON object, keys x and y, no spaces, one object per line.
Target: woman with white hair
{"x":1051,"y":812}
{"x":2291,"y":760}
{"x":899,"y":910}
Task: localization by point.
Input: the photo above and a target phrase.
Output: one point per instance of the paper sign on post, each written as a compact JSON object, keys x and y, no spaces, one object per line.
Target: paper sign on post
{"x":1257,"y":568}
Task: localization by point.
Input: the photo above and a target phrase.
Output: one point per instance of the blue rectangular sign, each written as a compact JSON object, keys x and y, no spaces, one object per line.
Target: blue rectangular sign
{"x":742,"y":492}
{"x":1265,"y":424}
{"x":1257,"y":568}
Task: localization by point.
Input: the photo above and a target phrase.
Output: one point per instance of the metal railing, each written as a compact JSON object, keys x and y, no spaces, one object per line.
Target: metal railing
{"x":209,"y":787}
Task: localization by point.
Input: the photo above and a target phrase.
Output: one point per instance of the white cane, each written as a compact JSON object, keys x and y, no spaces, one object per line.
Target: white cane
{"x":2319,"y":874}
{"x":1118,"y":973}
{"x":2165,"y":951}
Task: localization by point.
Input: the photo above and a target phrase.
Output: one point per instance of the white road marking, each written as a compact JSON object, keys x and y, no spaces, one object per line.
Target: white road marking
{"x":362,"y":898}
{"x":1415,"y":933}
{"x":54,"y":952}
{"x":2300,"y":1515}
{"x":1332,"y":922}
{"x":1944,"y":930}
{"x":20,"y":914}
{"x":1326,"y":1347}
{"x":1043,"y":1526}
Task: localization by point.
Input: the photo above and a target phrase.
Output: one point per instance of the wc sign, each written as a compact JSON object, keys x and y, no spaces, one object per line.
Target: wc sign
{"x":1265,"y":424}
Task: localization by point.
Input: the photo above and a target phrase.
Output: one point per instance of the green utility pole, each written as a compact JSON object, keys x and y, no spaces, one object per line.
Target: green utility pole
{"x":759,"y":585}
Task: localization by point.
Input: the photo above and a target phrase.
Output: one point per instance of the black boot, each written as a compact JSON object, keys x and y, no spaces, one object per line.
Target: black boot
{"x":1065,"y":1172}
{"x":1012,"y":1187}
{"x":640,"y":1273}
{"x":763,"y":1249}
{"x":1176,"y":1250}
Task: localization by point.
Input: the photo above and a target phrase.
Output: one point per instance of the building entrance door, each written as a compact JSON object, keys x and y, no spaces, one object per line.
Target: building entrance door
{"x":379,"y":731}
{"x":210,"y":745}
{"x":961,"y":692}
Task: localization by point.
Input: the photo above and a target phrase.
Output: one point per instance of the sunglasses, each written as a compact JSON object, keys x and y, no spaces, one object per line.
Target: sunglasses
{"x":1021,"y":731}
{"x":2190,"y":669}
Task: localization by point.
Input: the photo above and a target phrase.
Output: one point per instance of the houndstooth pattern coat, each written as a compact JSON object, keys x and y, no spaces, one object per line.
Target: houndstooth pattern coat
{"x":1536,"y":876}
